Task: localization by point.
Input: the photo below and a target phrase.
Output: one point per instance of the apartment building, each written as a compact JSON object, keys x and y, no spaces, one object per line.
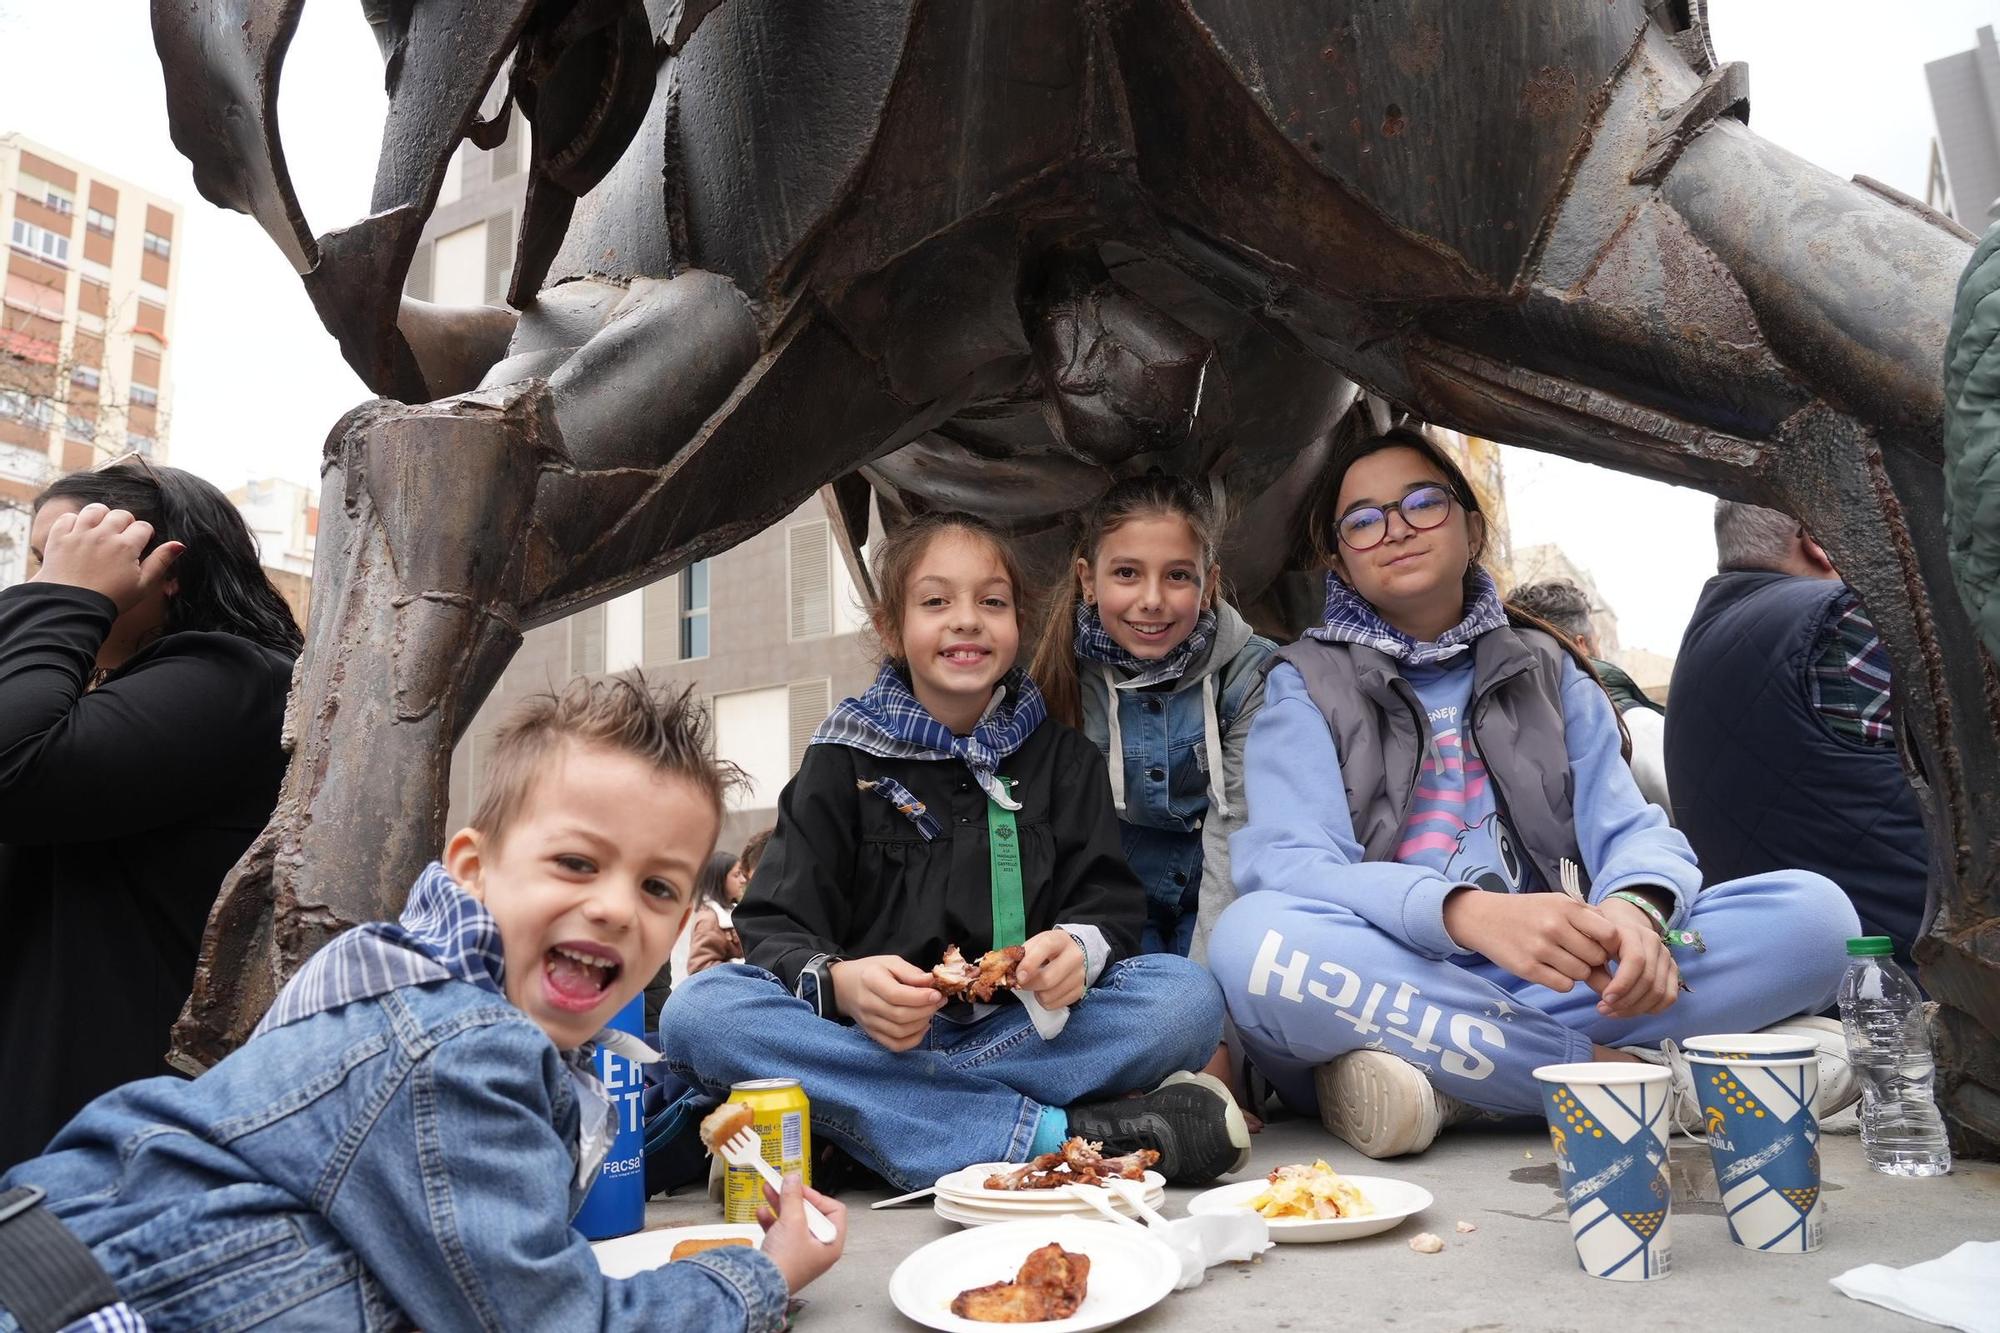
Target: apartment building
{"x":1964,"y":178}
{"x":283,"y":518}
{"x":86,"y":325}
{"x":467,"y":250}
{"x":771,"y":634}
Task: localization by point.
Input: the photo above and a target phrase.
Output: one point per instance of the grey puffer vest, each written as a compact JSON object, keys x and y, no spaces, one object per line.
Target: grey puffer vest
{"x":1514,"y":723}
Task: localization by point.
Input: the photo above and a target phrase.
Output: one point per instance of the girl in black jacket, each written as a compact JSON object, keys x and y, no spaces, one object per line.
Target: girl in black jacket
{"x":143,"y":674}
{"x":941,"y":809}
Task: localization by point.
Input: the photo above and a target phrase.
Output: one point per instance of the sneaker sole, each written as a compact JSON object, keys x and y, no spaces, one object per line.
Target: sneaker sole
{"x":1374,"y":1107}
{"x":1238,"y":1128}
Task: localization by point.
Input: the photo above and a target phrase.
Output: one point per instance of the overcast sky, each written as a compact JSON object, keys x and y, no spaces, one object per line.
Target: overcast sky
{"x":258,"y":383}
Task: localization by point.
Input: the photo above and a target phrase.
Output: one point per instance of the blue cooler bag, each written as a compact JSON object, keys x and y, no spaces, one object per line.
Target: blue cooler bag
{"x":616,"y":1204}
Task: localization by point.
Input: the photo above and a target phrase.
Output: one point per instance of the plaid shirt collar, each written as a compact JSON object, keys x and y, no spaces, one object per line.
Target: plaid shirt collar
{"x":1094,"y":643}
{"x":890,"y":722}
{"x":1350,"y":619}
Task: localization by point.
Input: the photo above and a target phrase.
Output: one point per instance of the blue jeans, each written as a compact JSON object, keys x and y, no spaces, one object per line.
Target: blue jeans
{"x":972,"y":1092}
{"x":1307,"y":981}
{"x":1168,"y":864}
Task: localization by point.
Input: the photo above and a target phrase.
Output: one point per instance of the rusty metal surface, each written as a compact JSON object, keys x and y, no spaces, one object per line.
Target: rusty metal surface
{"x":996,"y":253}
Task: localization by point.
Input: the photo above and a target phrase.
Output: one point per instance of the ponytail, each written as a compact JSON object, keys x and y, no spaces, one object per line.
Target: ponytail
{"x":1054,"y":667}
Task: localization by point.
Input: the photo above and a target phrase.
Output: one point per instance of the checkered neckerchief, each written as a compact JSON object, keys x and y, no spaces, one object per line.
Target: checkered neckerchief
{"x":1350,"y":619}
{"x":890,"y":722}
{"x":1850,"y":679}
{"x":1094,"y":643}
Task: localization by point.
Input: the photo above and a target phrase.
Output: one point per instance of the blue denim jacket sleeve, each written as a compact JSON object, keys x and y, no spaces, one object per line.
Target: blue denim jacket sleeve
{"x":487,"y":1180}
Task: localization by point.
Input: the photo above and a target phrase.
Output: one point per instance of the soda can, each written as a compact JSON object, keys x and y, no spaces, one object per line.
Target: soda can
{"x":782,"y":1118}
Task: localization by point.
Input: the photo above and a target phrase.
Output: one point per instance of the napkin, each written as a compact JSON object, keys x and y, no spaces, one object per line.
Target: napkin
{"x":1202,"y":1242}
{"x":1049,"y":1022}
{"x":1955,"y":1290}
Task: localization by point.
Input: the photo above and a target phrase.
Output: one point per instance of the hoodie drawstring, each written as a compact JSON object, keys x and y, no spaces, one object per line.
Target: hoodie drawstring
{"x":1211,"y":735}
{"x":1112,"y":702}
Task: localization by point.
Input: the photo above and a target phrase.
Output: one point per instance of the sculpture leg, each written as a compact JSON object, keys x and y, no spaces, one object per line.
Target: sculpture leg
{"x":418,"y":573}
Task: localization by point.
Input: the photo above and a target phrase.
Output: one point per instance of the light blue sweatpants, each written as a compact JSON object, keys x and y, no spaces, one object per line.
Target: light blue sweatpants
{"x":1307,"y":980}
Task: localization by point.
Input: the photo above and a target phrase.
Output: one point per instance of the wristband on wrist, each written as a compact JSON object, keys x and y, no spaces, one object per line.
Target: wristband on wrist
{"x":1673,"y":939}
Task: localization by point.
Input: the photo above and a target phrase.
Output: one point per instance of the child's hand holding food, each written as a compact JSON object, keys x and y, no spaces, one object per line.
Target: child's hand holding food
{"x":1052,"y":969}
{"x":787,"y":1243}
{"x":888,"y":998}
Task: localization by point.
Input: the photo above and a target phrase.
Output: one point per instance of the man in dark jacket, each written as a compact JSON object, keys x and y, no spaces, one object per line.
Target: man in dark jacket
{"x":1781,"y":744}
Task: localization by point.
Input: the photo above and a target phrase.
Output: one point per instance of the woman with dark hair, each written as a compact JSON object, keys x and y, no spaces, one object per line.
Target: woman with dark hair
{"x":143,"y":675}
{"x":718,"y":883}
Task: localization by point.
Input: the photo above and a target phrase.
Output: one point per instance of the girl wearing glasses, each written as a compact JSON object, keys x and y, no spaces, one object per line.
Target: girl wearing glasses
{"x":1427,"y":771}
{"x":143,"y":674}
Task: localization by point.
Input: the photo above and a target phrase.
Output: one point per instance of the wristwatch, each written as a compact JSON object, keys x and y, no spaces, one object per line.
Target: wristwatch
{"x":815,"y":985}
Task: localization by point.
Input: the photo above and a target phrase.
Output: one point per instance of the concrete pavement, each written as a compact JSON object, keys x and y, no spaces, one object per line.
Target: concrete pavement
{"x":1517,"y":1271}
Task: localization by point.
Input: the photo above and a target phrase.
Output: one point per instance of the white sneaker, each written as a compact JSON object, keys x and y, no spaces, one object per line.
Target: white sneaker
{"x":1382,"y":1105}
{"x":1839,"y":1088}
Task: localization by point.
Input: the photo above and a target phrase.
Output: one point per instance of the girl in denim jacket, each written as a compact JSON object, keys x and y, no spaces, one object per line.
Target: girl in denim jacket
{"x":1145,"y":658}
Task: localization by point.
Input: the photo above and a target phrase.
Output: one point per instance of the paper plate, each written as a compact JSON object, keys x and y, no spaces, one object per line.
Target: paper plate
{"x":1130,"y":1272}
{"x":1394,"y":1200}
{"x":970,"y":1184}
{"x":978,"y":1215}
{"x":624,"y":1256}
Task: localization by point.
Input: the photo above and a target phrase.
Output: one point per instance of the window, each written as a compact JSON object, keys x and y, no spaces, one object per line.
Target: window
{"x":88,"y":377}
{"x":59,"y":201}
{"x":753,"y":731}
{"x":810,"y":702}
{"x":143,"y":445}
{"x":37,"y":241}
{"x":499,"y":256}
{"x":809,"y":575}
{"x":159,"y":245}
{"x":142,"y":396}
{"x":694,"y":610}
{"x":586,"y":642}
{"x":16,"y":405}
{"x":102,"y":223}
{"x":81,"y":429}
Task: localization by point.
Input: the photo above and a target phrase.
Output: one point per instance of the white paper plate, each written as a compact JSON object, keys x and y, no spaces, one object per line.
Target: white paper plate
{"x":1394,"y":1200}
{"x":969,"y":1184}
{"x":1040,"y":1201}
{"x":624,"y":1256}
{"x":976,"y":1215}
{"x":1130,"y":1271}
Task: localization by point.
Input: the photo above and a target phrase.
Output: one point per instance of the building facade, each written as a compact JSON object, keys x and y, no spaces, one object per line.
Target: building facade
{"x":467,"y":249}
{"x":1964,"y":178}
{"x":86,"y":326}
{"x":770,"y":634}
{"x":283,"y":518}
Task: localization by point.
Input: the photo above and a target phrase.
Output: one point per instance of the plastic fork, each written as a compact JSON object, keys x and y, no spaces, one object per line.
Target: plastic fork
{"x":1095,"y":1198}
{"x":1134,"y":1194}
{"x":1571,"y":875}
{"x":745,"y":1149}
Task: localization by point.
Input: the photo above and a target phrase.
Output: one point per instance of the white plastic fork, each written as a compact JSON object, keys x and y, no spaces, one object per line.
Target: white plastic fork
{"x":1572,"y":878}
{"x":745,"y":1149}
{"x":1090,"y":1195}
{"x":1134,"y":1194}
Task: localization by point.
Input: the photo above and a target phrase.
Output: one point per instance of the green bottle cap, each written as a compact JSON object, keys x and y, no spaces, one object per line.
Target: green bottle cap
{"x":1871,"y":946}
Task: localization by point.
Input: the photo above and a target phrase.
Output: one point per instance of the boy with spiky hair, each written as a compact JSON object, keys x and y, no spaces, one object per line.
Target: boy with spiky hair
{"x":405,"y":1136}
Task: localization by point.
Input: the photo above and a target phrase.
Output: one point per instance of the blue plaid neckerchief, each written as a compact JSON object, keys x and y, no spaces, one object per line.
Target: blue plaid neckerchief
{"x":444,"y":934}
{"x":890,"y":722}
{"x":1094,"y":643}
{"x":1350,"y":619}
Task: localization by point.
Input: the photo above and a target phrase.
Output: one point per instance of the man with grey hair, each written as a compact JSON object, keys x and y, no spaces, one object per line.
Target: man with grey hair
{"x":1781,"y":745}
{"x":1567,"y":610}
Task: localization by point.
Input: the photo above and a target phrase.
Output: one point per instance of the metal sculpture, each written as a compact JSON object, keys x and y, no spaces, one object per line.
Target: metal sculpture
{"x":991,"y":253}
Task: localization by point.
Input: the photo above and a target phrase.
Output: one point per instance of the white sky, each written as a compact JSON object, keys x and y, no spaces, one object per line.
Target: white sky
{"x":258,"y":383}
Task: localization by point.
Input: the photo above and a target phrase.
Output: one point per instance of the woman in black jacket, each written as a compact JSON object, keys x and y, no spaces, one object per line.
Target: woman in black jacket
{"x":143,"y":675}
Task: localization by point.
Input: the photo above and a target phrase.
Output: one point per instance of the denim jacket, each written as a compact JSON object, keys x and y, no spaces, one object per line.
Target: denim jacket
{"x":407,"y":1160}
{"x":1176,"y":808}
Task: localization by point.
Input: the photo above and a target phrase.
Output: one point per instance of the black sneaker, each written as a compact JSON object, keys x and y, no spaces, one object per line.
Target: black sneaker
{"x":1190,"y":1120}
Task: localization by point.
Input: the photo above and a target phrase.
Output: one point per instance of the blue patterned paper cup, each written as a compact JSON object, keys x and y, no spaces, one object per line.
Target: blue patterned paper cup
{"x":1758,"y":1046}
{"x":1609,"y":1122}
{"x":1758,"y":1118}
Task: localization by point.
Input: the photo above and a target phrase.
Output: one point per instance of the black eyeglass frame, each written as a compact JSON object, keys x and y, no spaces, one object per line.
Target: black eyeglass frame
{"x":1395,"y":507}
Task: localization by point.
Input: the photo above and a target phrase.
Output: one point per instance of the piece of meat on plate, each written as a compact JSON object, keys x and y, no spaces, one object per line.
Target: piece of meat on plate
{"x":1051,"y":1284}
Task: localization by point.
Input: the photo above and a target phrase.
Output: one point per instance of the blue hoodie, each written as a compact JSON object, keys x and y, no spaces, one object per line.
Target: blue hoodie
{"x":1300,"y":837}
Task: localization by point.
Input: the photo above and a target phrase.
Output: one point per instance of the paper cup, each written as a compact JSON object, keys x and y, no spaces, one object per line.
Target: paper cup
{"x":1752,"y":1046}
{"x":1609,"y":1125}
{"x":1758,"y":1118}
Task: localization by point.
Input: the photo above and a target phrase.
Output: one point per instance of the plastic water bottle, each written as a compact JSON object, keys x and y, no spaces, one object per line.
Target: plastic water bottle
{"x":1889,"y":1044}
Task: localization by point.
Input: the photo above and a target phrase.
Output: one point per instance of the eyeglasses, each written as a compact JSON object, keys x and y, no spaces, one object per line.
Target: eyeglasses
{"x":1424,"y":508}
